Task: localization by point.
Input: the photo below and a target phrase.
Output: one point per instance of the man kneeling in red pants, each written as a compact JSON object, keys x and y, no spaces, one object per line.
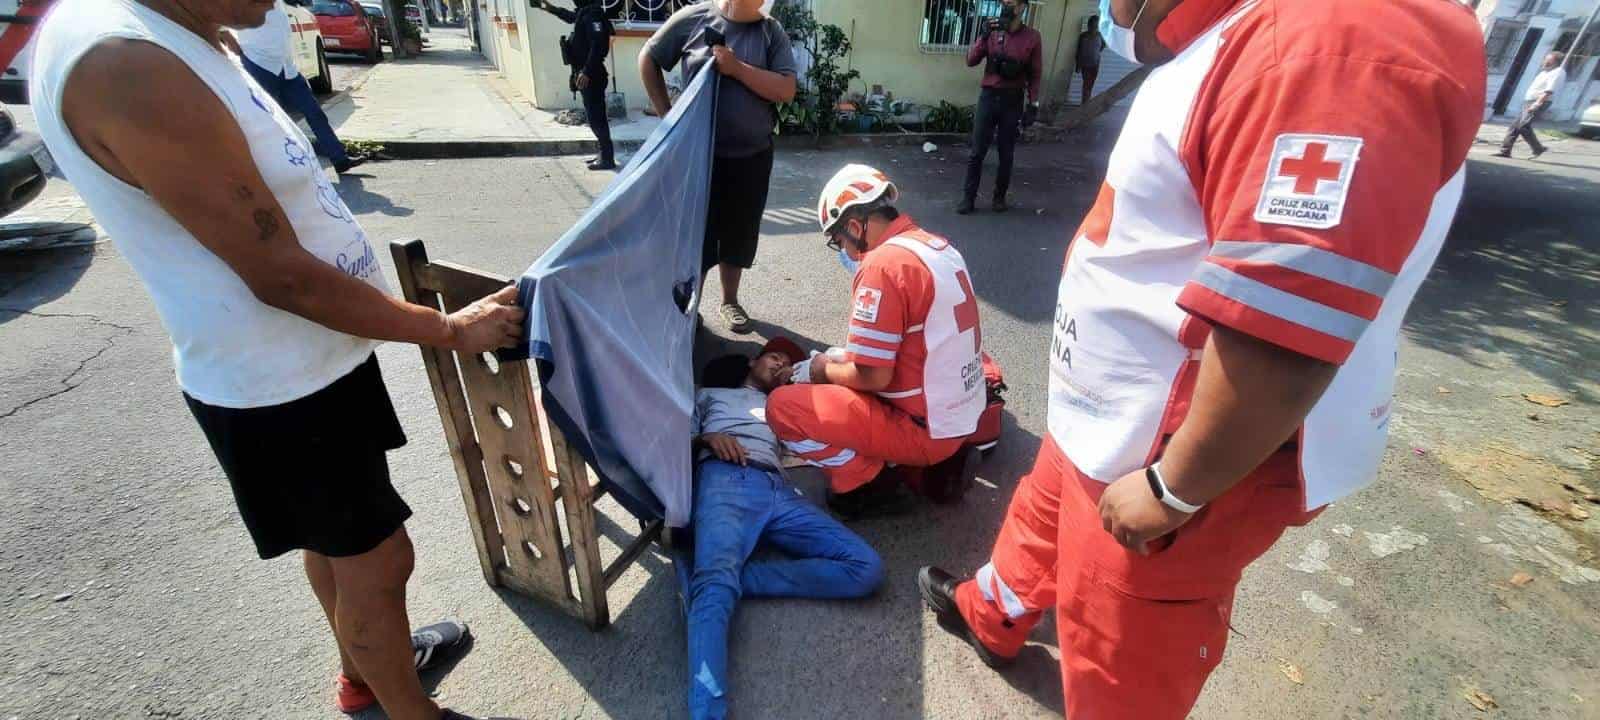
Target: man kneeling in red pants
{"x":909,"y":387}
{"x":1226,"y":327}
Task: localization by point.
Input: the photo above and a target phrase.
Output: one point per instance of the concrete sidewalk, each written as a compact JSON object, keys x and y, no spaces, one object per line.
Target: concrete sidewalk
{"x":450,"y":102}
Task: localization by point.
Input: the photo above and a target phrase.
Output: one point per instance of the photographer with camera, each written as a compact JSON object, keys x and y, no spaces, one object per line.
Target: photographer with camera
{"x":1015,"y":64}
{"x":585,"y":52}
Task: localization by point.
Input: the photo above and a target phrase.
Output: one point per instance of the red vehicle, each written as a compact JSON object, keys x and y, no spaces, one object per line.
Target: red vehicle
{"x":347,"y":28}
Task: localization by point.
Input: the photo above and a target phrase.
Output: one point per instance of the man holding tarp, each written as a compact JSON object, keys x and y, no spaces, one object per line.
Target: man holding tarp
{"x":909,"y":386}
{"x":752,"y":53}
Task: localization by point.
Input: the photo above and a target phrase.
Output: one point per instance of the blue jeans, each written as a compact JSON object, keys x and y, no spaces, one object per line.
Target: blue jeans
{"x":735,"y":508}
{"x":294,"y":96}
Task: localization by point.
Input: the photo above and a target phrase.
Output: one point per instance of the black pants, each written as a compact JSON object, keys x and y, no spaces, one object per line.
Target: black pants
{"x":1523,"y":128}
{"x":999,"y":116}
{"x":738,"y":201}
{"x":594,"y":106}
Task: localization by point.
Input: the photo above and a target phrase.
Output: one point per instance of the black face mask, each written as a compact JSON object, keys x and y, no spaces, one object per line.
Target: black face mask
{"x":1008,"y":15}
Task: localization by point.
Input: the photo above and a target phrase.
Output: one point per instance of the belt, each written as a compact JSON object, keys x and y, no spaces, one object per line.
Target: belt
{"x":757,"y":464}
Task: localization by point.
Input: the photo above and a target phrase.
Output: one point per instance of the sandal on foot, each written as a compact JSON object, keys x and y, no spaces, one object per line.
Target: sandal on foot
{"x":438,"y":643}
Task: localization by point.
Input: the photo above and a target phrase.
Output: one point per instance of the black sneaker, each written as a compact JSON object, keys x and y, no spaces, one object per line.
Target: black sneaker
{"x":603,"y":165}
{"x":438,"y":643}
{"x":882,"y":497}
{"x":948,"y":481}
{"x":1000,"y":205}
{"x":1537,"y":153}
{"x":348,"y":164}
{"x":939,"y":592}
{"x":965,"y":208}
{"x":1503,"y":153}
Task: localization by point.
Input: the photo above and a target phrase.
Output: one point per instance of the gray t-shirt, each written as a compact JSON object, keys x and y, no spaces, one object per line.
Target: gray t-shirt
{"x":741,"y":413}
{"x":744,"y":120}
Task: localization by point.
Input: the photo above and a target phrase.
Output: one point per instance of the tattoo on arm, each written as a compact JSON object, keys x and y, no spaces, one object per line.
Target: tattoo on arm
{"x":267,"y":223}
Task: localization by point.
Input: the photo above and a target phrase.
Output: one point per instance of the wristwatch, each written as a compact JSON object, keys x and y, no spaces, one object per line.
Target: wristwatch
{"x":1158,"y":485}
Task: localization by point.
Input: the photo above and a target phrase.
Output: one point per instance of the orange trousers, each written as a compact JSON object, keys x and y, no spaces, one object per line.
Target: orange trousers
{"x":1139,"y":635}
{"x":851,"y":434}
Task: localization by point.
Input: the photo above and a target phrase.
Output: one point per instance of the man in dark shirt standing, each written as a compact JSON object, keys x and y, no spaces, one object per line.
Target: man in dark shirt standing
{"x":586,"y":53}
{"x":752,"y":52}
{"x":1090,"y":45}
{"x":1015,"y":63}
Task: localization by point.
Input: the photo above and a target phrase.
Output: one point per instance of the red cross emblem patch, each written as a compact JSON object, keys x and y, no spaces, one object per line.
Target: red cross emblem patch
{"x":1308,"y":180}
{"x":867,"y":302}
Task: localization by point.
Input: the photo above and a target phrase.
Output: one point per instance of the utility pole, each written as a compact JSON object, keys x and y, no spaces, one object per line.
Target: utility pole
{"x":395,"y":11}
{"x":1577,"y":42}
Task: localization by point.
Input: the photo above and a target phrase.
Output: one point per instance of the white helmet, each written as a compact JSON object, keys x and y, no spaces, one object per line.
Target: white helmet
{"x":853,"y":185}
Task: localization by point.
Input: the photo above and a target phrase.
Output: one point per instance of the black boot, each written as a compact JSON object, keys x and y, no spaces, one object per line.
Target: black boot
{"x":948,"y":481}
{"x":883,"y":496}
{"x":939,"y":592}
{"x":966,"y":207}
{"x":1000,"y":204}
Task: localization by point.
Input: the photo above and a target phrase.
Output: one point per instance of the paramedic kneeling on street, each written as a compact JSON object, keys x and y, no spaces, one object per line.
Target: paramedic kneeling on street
{"x":909,"y":386}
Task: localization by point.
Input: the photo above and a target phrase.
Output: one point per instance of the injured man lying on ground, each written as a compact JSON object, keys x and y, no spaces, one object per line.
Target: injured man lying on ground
{"x":742,"y":500}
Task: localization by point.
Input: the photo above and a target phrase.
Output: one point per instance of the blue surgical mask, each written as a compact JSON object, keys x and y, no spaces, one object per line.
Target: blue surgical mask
{"x":1120,"y":39}
{"x":850,"y":265}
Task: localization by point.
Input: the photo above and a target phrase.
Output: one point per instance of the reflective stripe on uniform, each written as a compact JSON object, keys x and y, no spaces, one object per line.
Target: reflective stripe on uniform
{"x":989,"y":583}
{"x":1277,"y":303}
{"x":839,"y":460}
{"x":876,"y":335}
{"x":900,"y":395}
{"x":1316,"y":262}
{"x":800,"y":447}
{"x":870,"y":352}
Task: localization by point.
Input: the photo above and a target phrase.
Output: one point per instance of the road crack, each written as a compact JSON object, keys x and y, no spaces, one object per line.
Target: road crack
{"x":67,"y":383}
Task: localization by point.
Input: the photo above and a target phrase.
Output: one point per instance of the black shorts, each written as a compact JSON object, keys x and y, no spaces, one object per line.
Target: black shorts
{"x":311,"y":474}
{"x":738,"y":200}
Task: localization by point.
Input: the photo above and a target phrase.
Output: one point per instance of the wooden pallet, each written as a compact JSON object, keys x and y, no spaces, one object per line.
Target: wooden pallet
{"x":519,"y":477}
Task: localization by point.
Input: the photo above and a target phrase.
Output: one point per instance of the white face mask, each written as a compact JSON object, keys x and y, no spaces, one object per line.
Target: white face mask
{"x":1120,"y":39}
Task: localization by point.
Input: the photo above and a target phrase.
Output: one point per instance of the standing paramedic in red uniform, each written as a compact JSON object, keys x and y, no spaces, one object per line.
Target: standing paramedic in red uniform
{"x":909,"y":388}
{"x":1226,"y":327}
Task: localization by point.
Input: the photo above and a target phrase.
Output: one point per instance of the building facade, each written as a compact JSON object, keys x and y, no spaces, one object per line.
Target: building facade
{"x":914,"y":49}
{"x":1517,"y":36}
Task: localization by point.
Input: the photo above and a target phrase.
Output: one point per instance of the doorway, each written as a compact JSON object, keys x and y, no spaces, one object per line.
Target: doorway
{"x":1518,"y":65}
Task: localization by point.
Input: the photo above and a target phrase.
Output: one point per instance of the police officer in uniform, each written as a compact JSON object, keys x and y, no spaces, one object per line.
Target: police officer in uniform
{"x":586,"y":53}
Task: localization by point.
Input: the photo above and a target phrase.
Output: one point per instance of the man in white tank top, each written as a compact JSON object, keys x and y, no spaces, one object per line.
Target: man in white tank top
{"x":274,"y":300}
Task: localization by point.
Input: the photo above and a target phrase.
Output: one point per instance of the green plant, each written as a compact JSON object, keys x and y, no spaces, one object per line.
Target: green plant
{"x":409,"y":30}
{"x":949,"y":118}
{"x":826,"y":80}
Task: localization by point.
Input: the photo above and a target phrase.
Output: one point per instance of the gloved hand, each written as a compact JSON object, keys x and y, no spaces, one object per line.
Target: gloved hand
{"x":800,"y":374}
{"x":1030,"y":115}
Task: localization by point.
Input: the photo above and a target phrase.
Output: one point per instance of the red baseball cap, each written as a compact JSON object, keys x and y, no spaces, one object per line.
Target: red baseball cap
{"x":784,"y":346}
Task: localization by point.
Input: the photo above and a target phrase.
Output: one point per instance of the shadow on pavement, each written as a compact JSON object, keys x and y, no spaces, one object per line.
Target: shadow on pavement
{"x":1519,"y":276}
{"x":352,"y":187}
{"x":32,"y":278}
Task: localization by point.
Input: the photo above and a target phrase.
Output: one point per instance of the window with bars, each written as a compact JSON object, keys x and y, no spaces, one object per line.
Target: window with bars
{"x":1536,"y":7}
{"x":952,"y":25}
{"x":1501,"y":44}
{"x":643,"y":14}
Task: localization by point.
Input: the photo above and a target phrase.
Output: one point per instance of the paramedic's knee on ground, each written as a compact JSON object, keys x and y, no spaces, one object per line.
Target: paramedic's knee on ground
{"x":850,"y":434}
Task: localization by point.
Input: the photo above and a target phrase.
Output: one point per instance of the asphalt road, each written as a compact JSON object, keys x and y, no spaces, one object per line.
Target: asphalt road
{"x":1394,"y":604}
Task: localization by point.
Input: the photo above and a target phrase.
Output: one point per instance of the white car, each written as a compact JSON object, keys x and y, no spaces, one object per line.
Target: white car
{"x":1589,"y":123}
{"x":20,"y":18}
{"x":307,"y":44}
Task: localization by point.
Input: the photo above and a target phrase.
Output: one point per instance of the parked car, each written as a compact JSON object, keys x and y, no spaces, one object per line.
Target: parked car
{"x":1589,"y":123}
{"x":377,"y":15}
{"x":347,"y":28}
{"x":307,"y":44}
{"x":24,"y":164}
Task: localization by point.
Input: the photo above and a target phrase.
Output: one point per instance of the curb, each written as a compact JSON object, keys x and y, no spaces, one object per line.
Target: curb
{"x":469,"y":149}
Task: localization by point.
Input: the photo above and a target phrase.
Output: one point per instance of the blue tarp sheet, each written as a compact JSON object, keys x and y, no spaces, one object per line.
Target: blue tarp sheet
{"x":611,"y":315}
